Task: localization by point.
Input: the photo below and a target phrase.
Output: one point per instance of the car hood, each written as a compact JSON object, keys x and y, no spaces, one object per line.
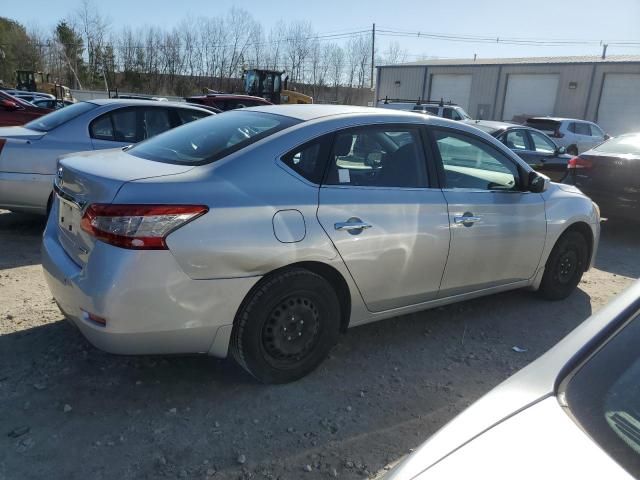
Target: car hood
{"x":527,"y":387}
{"x":540,"y":442}
{"x":21,"y":133}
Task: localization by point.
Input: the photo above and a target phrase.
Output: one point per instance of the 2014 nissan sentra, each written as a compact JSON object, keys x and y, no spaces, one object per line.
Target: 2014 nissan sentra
{"x":265,"y":232}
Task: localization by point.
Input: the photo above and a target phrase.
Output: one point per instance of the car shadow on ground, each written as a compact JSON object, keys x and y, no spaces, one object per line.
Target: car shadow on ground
{"x":385,"y":387}
{"x":20,"y":233}
{"x":619,"y":250}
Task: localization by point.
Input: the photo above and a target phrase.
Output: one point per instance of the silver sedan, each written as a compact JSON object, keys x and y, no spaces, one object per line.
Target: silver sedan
{"x":28,"y":154}
{"x":266,"y":232}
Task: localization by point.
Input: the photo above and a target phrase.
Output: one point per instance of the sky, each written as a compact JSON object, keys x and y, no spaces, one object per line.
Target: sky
{"x":541,"y":20}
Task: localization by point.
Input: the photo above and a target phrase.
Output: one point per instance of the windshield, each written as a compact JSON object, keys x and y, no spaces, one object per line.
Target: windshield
{"x":604,"y":397}
{"x":57,"y":118}
{"x":212,"y":138}
{"x":623,"y":145}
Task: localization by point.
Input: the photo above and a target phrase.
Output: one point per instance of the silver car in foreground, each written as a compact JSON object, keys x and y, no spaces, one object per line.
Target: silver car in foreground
{"x":28,"y":154}
{"x":573,"y":413}
{"x":267,"y":231}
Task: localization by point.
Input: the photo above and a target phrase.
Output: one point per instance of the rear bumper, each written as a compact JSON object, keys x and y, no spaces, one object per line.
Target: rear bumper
{"x":150,"y":305}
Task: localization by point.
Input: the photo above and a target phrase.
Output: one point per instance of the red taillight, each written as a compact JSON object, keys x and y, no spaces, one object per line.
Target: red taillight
{"x":557,"y":134}
{"x":2,"y":142}
{"x":579,"y":162}
{"x":138,"y":227}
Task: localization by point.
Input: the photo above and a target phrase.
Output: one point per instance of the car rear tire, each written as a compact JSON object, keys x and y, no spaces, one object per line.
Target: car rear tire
{"x":572,"y":150}
{"x":565,"y":266}
{"x":286,"y":326}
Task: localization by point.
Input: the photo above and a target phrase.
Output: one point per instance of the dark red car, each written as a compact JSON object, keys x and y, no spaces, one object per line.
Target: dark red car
{"x":228,"y":101}
{"x":14,"y":111}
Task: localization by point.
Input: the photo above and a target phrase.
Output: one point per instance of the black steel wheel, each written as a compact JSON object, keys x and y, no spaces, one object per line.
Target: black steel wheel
{"x":286,"y":326}
{"x":565,"y":266}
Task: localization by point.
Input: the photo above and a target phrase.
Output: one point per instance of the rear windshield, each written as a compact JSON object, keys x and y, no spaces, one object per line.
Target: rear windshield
{"x":55,"y":119}
{"x":543,"y":124}
{"x":485,"y":128}
{"x":626,"y":144}
{"x":604,"y":397}
{"x":211,"y":138}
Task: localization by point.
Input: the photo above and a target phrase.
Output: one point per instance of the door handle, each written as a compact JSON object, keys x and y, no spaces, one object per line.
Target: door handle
{"x":351,"y":225}
{"x":466,"y":220}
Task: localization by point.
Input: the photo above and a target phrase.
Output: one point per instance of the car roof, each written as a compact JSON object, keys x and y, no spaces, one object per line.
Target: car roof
{"x":229,"y":96}
{"x":133,"y":102}
{"x":559,"y":119}
{"x":307,"y":112}
{"x":496,"y":125}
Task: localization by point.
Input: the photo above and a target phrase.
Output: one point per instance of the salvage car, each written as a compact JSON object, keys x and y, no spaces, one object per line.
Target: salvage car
{"x":610,"y":174}
{"x":573,"y":413}
{"x":28,"y":154}
{"x":533,"y":146}
{"x":14,"y":111}
{"x":265,"y":232}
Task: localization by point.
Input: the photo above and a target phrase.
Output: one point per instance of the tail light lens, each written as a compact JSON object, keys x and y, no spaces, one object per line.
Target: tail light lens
{"x":557,"y":134}
{"x":138,"y":227}
{"x":2,"y":142}
{"x":579,"y":162}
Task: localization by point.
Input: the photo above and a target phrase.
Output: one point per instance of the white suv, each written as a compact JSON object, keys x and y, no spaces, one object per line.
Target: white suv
{"x":453,"y":112}
{"x":576,"y":136}
{"x":439,"y":109}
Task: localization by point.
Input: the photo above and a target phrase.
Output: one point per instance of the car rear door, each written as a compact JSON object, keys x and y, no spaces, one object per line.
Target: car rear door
{"x":583,"y":138}
{"x":384,"y":214}
{"x":498,"y":230}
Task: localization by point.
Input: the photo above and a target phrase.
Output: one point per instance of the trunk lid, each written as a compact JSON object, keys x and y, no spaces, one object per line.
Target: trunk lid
{"x":96,"y":177}
{"x":617,"y":173}
{"x":21,"y":133}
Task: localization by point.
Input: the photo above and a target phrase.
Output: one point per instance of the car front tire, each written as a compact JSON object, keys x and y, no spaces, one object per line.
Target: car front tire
{"x":565,"y":266}
{"x":286,"y":326}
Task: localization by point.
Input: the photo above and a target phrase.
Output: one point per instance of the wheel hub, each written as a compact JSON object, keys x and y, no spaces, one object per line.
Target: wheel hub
{"x":291,"y":330}
{"x":567,"y":265}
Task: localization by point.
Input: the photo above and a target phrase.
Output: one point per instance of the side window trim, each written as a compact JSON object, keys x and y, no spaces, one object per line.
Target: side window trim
{"x":440,"y":165}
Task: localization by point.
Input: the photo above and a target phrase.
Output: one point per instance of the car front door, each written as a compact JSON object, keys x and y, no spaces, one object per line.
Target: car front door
{"x":384,"y":214}
{"x":497,"y":228}
{"x":547,"y":158}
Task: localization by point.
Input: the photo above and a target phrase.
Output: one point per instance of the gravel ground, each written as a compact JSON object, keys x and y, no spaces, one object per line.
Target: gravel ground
{"x":70,"y":411}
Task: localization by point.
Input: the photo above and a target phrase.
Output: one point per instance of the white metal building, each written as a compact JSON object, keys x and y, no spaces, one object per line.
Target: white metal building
{"x":606,"y":91}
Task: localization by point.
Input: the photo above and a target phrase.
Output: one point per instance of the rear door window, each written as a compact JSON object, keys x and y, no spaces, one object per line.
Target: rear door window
{"x":125,"y":125}
{"x":101,"y":128}
{"x":186,"y":115}
{"x":582,"y":129}
{"x":155,"y":121}
{"x":371,"y":157}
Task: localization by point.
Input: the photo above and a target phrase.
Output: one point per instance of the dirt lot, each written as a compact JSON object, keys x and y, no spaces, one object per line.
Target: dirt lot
{"x":70,"y":411}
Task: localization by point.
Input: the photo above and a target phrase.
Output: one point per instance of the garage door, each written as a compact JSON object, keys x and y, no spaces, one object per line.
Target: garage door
{"x":455,"y":88}
{"x":619,"y":110}
{"x":530,"y":95}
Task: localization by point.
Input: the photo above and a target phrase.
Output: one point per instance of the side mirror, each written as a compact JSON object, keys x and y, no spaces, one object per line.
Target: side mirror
{"x":561,"y":150}
{"x":537,"y":183}
{"x":8,"y":104}
{"x":607,"y":136}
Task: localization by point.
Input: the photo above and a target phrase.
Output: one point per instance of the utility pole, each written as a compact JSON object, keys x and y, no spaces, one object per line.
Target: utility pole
{"x":373,"y":51}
